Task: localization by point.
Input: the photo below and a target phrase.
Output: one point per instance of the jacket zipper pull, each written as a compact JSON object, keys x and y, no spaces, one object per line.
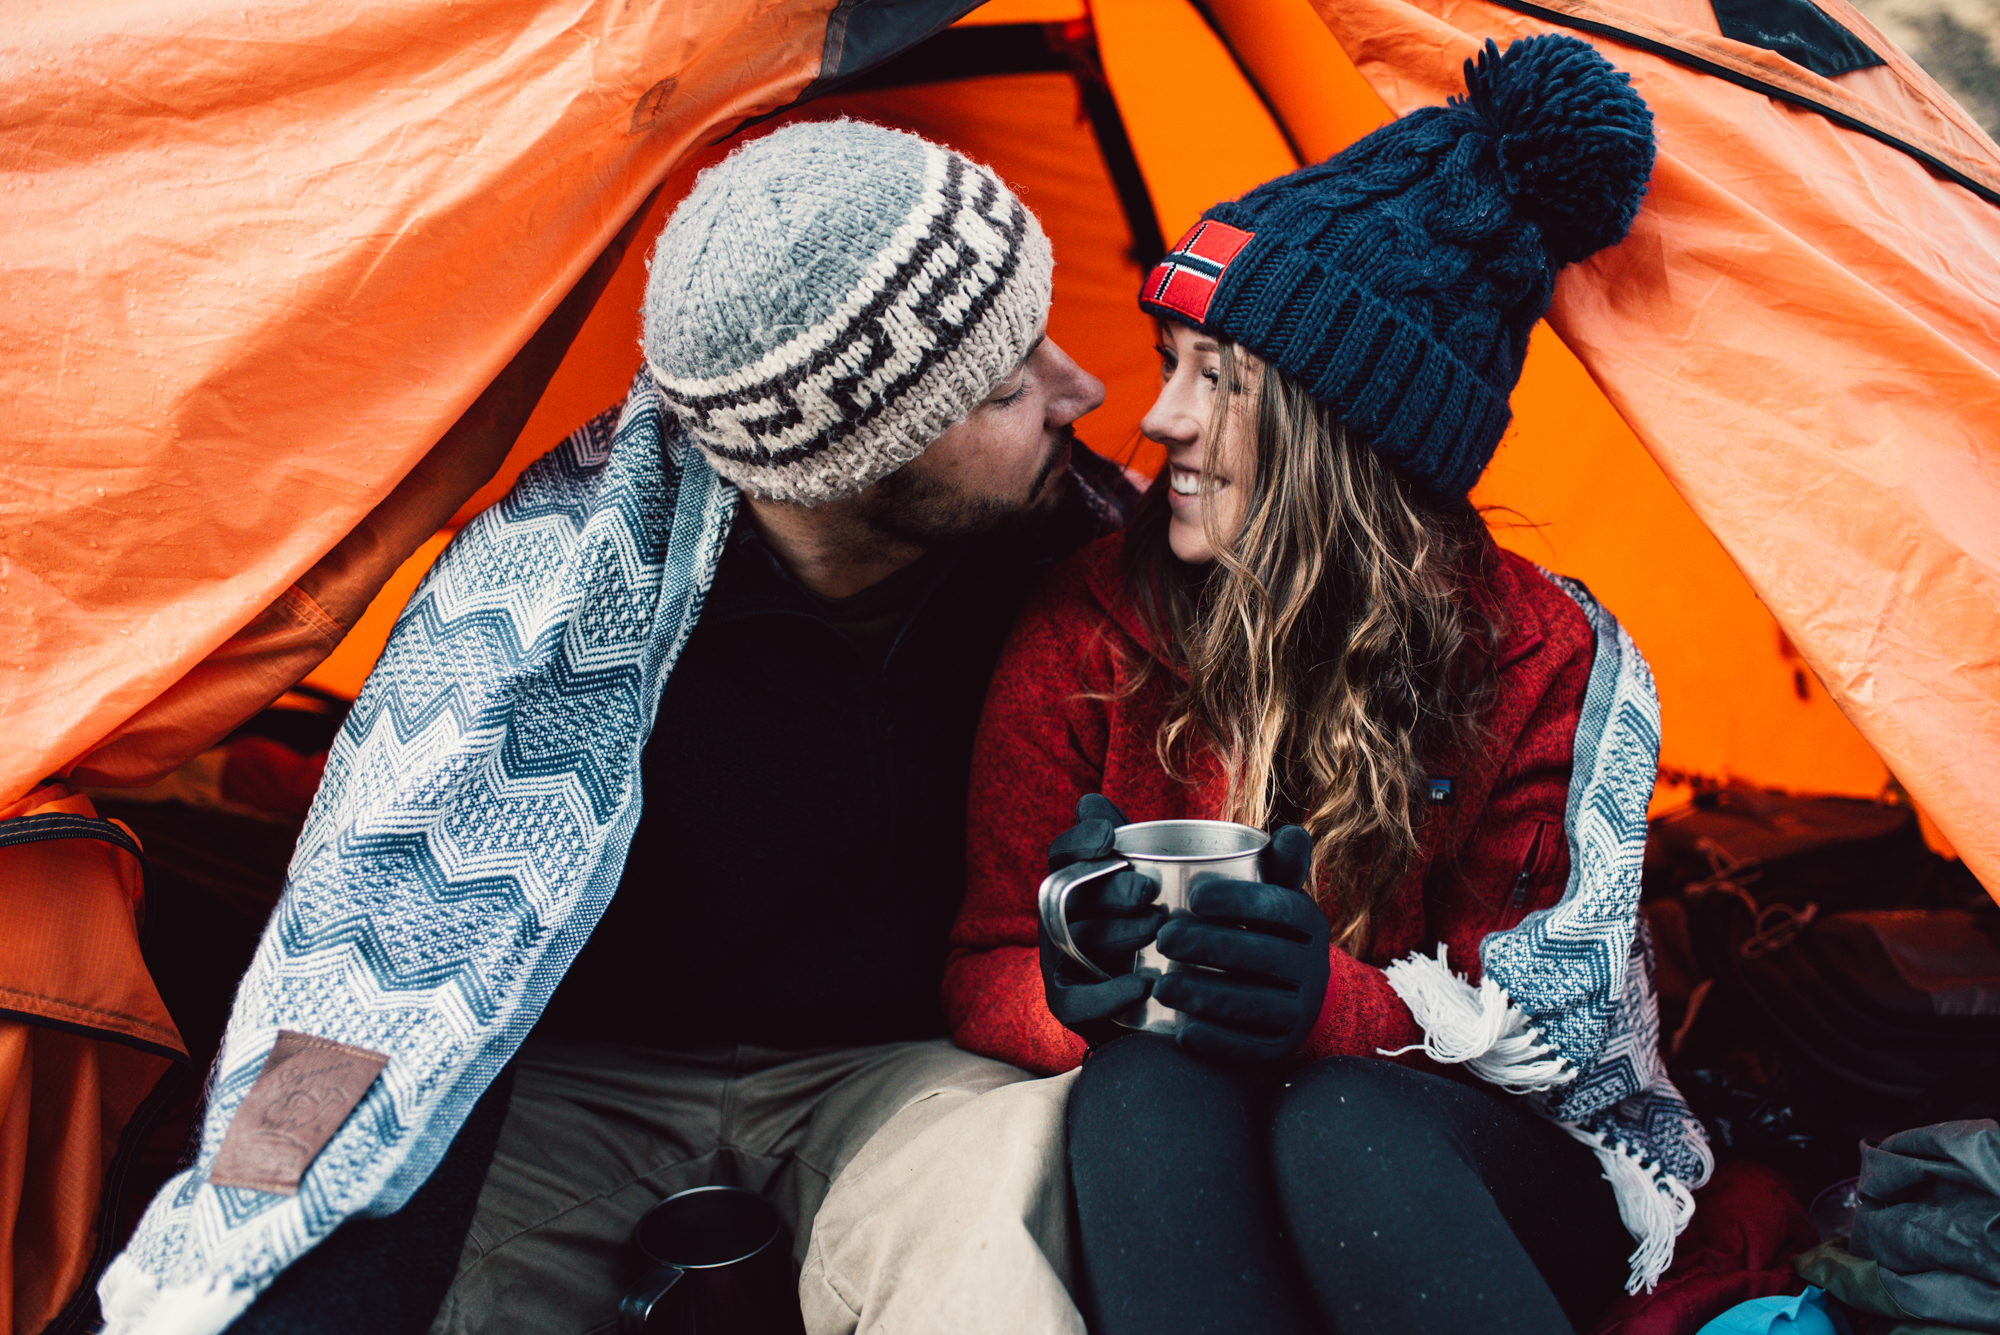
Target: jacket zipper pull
{"x":1521,"y":877}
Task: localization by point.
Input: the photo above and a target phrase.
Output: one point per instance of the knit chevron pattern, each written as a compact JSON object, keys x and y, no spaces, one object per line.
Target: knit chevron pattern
{"x":1399,"y":280}
{"x":1565,"y":1010}
{"x":471,"y":828}
{"x":1569,"y":967}
{"x":835,"y":295}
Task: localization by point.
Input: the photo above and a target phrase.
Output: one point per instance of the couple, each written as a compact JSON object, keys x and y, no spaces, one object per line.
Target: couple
{"x":749,"y":705}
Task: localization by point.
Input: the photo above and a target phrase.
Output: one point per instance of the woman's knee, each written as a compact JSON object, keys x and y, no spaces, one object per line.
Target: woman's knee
{"x":1138,"y":1056}
{"x":1140,"y":1093}
{"x":1141,"y":1071}
{"x":1363,"y":1085}
{"x":1342,"y":1107}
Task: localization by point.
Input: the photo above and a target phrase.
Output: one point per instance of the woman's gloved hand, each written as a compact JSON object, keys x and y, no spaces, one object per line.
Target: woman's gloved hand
{"x":1269,"y":941}
{"x":1110,"y":919}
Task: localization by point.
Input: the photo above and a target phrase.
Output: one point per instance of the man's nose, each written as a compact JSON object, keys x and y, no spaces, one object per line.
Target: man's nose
{"x":1076,"y":391}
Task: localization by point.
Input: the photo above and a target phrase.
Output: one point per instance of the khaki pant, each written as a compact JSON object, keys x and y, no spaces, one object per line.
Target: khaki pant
{"x":954,"y":1223}
{"x":598,"y":1132}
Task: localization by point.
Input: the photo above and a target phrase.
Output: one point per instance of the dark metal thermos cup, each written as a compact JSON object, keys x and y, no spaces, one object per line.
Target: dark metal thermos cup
{"x":721,"y":1266}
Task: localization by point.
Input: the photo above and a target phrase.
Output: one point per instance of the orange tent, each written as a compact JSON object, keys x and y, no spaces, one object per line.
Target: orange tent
{"x":269,"y":266}
{"x":243,"y":307}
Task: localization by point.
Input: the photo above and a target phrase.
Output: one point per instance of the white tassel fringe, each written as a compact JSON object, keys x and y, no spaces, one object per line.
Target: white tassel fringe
{"x":1478,"y":1027}
{"x":1654,"y":1207}
{"x":135,"y":1304}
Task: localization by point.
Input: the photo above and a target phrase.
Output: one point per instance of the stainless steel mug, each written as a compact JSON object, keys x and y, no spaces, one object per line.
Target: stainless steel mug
{"x":1178,"y":855}
{"x":721,"y":1266}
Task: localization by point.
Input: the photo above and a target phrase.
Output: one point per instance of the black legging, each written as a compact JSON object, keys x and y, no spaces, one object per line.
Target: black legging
{"x":1352,"y":1195}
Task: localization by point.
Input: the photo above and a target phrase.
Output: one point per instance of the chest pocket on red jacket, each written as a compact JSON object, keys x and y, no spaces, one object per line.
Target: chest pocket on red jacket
{"x":1540,"y":865}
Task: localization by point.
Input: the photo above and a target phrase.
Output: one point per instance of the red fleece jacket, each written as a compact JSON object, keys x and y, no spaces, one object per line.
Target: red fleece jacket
{"x":1056,"y":727}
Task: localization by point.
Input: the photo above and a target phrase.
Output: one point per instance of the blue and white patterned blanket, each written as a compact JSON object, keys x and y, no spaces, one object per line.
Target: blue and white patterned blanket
{"x":473,"y":825}
{"x":1565,"y":1012}
{"x":471,"y":828}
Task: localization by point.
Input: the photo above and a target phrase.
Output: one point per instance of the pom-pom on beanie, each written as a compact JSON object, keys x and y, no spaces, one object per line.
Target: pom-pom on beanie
{"x":831,"y":297}
{"x":1398,"y":281}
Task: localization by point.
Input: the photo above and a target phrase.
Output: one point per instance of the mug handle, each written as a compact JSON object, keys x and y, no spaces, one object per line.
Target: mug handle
{"x":1053,"y":899}
{"x":636,"y":1307}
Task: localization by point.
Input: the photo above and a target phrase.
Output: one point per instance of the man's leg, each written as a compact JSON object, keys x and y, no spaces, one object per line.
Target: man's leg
{"x":954,"y":1215}
{"x":600,"y":1132}
{"x":596,"y":1134}
{"x":906,"y":1086}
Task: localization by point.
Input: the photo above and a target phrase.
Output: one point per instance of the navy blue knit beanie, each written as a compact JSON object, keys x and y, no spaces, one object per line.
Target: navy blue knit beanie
{"x":1398,"y":280}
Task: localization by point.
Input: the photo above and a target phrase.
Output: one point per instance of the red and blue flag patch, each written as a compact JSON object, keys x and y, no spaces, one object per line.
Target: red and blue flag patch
{"x":1184,"y":282}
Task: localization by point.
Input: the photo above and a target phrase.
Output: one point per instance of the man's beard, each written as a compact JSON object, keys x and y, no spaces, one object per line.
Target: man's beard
{"x":911,"y":506}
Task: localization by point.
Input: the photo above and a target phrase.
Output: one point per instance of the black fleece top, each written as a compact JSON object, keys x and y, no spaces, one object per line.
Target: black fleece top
{"x":801,"y":852}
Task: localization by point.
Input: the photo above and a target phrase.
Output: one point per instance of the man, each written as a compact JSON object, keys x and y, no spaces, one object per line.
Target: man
{"x":763,"y":992}
{"x":716,"y":662}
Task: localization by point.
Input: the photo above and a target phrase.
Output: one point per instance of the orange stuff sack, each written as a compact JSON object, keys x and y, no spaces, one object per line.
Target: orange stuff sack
{"x":84,"y":1041}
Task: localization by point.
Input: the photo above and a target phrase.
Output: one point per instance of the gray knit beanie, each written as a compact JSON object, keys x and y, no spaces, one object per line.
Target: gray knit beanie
{"x":831,"y":297}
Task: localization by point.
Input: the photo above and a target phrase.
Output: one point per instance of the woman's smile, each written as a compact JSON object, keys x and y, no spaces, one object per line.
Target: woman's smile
{"x":1187,"y":486}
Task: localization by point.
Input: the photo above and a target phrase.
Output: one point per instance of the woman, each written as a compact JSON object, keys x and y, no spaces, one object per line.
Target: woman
{"x":1308,"y":626}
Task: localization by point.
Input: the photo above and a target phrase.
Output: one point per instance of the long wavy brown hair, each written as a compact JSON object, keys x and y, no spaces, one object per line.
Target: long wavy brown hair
{"x":1338,"y":647}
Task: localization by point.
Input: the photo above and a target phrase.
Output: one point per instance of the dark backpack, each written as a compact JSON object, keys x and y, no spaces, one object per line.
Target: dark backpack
{"x":1821,"y":969}
{"x":1890,"y":1001}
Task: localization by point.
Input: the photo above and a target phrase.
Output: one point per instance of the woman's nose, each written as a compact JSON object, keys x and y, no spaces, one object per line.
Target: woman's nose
{"x":1171,"y":420}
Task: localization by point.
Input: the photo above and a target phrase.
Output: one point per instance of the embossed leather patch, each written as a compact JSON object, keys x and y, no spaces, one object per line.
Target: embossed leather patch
{"x":303,"y":1094}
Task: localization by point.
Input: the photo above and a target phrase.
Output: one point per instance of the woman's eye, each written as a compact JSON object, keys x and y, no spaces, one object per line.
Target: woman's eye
{"x":1212,"y":377}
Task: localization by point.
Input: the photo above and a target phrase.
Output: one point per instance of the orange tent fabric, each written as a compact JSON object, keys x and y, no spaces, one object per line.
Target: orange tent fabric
{"x":260,"y":260}
{"x":211,"y":302}
{"x":1804,"y":332}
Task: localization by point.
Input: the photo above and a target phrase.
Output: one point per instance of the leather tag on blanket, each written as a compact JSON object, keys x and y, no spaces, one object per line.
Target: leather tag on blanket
{"x":303,"y":1094}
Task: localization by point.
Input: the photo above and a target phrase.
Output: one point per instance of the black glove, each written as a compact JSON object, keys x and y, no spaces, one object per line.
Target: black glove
{"x":1269,"y":940}
{"x":1110,"y":919}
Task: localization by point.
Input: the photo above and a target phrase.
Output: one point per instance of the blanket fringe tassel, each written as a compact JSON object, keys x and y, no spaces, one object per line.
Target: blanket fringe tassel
{"x":1481,"y":1029}
{"x":136,"y":1304}
{"x":1477,"y":1027}
{"x":1654,"y":1207}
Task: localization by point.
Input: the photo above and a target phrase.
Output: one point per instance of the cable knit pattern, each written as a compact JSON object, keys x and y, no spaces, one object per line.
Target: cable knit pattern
{"x":1574,"y":142}
{"x":1398,"y":281}
{"x":832,"y":297}
{"x":472,"y":826}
